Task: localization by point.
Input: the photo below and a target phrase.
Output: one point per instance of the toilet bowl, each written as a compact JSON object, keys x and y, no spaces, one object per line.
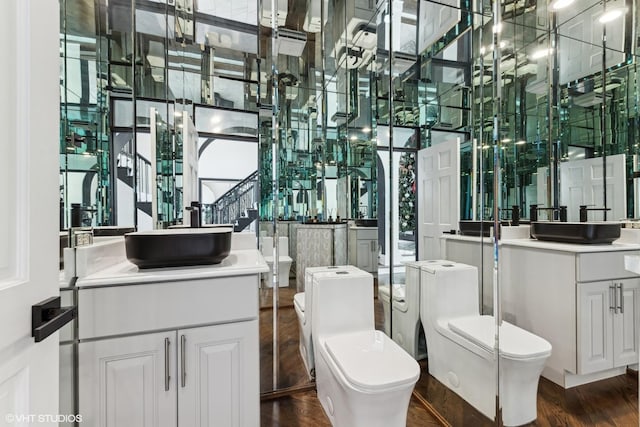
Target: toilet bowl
{"x":363,"y":378}
{"x":284,"y":260}
{"x":407,"y":328}
{"x":302,"y":306}
{"x":461,"y":348}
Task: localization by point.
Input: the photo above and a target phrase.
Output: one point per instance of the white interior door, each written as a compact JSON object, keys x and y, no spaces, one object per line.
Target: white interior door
{"x":438,"y":195}
{"x":435,"y":20}
{"x":29,"y":119}
{"x":582,"y":183}
{"x":580,"y":45}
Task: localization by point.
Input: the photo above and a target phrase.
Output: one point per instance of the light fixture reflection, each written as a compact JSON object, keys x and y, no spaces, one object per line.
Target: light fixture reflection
{"x":612,"y":14}
{"x":560,"y":4}
{"x":538,"y":54}
{"x":521,"y":142}
{"x":366,"y":130}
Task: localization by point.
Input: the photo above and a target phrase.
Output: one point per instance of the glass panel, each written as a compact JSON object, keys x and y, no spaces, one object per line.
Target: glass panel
{"x":243,"y":10}
{"x":215,"y":121}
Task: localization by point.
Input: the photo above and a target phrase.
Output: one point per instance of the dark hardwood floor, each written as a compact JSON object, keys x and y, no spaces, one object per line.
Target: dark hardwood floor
{"x":304,"y":410}
{"x":611,"y":402}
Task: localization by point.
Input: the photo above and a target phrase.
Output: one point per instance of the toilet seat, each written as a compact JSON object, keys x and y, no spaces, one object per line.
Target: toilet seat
{"x":515,"y":343}
{"x":371,"y":361}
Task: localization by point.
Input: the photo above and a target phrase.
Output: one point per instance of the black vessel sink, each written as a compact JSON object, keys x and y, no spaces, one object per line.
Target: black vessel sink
{"x":178,"y":247}
{"x":108,"y":231}
{"x":368,"y":222}
{"x":473,"y":228}
{"x":576,"y":232}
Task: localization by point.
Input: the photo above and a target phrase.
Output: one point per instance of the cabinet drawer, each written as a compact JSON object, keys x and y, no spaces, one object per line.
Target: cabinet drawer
{"x":367,"y":234}
{"x":156,"y":306}
{"x":603,"y":266}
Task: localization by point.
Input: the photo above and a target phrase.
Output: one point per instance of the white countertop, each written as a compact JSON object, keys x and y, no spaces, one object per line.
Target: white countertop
{"x":360,"y":227}
{"x":238,"y":263}
{"x":326,"y":225}
{"x":570,"y":247}
{"x":552,"y":246}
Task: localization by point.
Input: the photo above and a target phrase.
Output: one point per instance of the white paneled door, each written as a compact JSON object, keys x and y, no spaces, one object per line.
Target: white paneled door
{"x":438,"y":195}
{"x":29,"y":193}
{"x":582,"y":183}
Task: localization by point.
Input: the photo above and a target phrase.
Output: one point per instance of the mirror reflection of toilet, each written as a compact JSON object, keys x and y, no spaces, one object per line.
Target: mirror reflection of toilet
{"x":302,"y":305}
{"x":284,"y":260}
{"x":407,"y":328}
{"x":363,"y":378}
{"x":461,"y":346}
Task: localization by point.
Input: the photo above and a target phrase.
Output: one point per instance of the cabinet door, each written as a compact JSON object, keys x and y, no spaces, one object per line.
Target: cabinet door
{"x":128,"y":381}
{"x":625,"y":323}
{"x":373,"y":256}
{"x":595,"y":327}
{"x":218,"y":376}
{"x":364,"y":255}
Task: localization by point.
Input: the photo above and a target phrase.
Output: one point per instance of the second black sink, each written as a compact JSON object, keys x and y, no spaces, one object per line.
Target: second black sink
{"x":576,"y":232}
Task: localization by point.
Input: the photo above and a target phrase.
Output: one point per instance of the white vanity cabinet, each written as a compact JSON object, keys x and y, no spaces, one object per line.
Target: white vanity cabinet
{"x":608,"y":318}
{"x":363,"y":248}
{"x":578,"y":297}
{"x":171,"y":347}
{"x":200,"y":376}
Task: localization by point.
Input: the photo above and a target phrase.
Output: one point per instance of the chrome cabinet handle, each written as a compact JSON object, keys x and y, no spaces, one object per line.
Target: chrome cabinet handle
{"x":612,"y":297}
{"x":183,"y":364}
{"x":621,"y":306}
{"x":615,"y":298}
{"x":167,"y":376}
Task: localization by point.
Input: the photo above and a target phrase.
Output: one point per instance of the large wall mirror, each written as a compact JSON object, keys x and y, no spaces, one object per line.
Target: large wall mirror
{"x":418,"y":140}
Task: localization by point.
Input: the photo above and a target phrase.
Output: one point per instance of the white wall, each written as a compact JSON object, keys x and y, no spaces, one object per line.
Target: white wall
{"x":227,"y":159}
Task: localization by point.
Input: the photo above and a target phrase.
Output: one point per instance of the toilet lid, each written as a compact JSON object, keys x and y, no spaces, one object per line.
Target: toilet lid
{"x":515,"y":343}
{"x":372,"y":361}
{"x":298,"y":299}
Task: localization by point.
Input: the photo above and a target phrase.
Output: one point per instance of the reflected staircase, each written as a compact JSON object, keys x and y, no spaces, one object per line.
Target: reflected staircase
{"x":238,"y":205}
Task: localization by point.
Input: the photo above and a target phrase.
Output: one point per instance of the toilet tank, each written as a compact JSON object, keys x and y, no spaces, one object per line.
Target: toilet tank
{"x":449,"y":290}
{"x":342,"y":302}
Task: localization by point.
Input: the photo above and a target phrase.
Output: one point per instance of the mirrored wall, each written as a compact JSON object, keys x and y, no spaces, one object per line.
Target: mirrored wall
{"x":386,"y":134}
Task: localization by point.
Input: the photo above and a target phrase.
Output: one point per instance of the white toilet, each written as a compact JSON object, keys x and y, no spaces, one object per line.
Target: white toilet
{"x":460,"y":346}
{"x":407,"y":328}
{"x":302,"y":305}
{"x":363,"y":378}
{"x":284,"y":260}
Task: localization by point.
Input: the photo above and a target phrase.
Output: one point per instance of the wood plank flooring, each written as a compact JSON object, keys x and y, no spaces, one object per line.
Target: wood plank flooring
{"x":611,"y":402}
